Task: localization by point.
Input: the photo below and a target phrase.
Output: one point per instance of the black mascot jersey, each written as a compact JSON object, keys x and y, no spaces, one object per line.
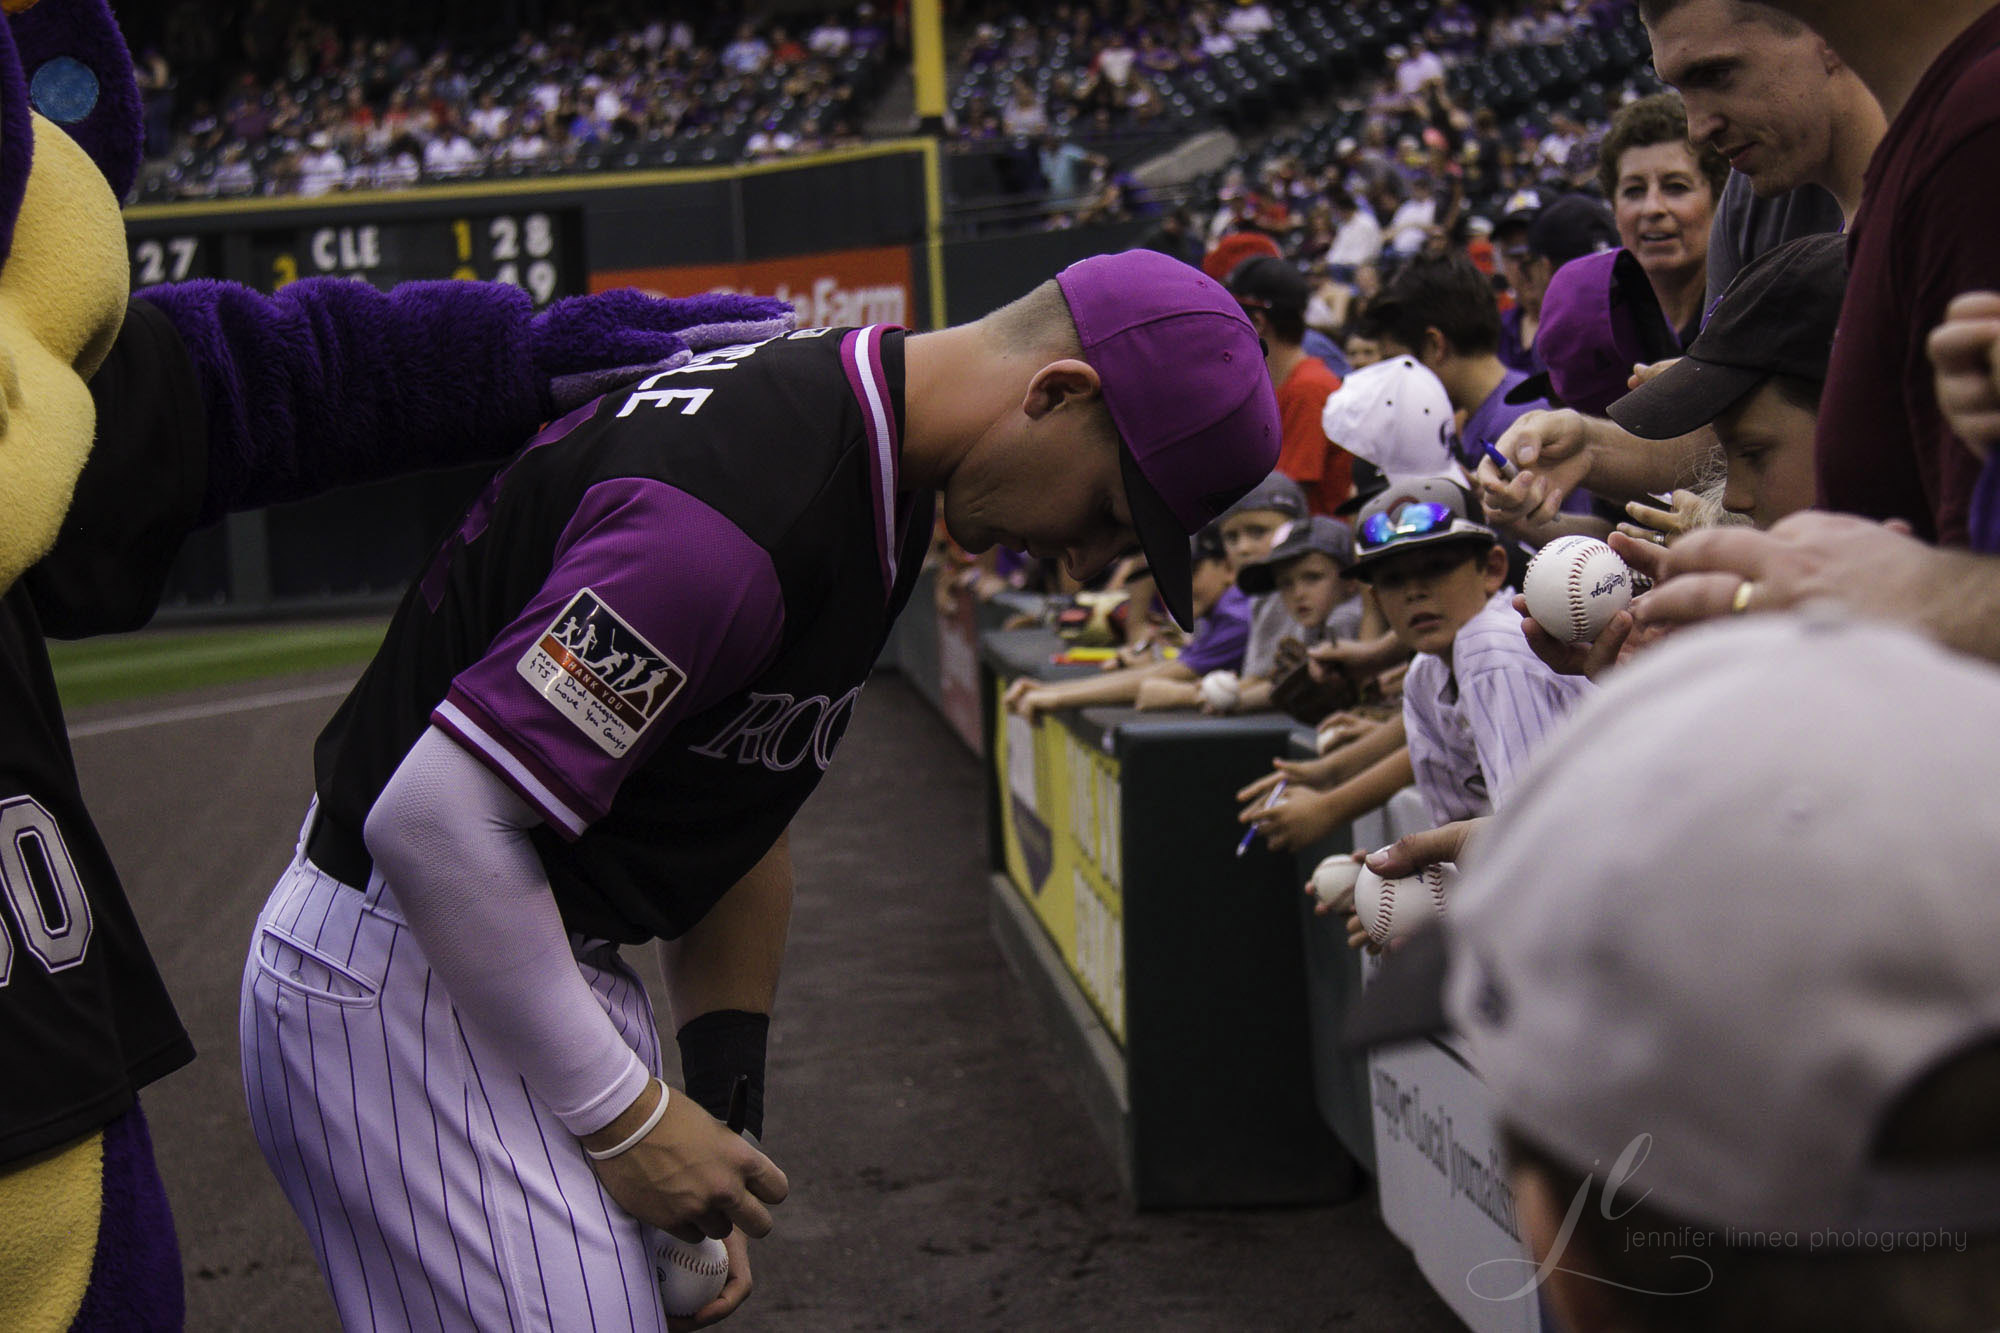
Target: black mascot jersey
{"x":655,"y":624}
{"x":88,"y":1020}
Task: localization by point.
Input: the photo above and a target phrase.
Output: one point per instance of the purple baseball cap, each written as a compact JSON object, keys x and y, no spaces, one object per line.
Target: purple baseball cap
{"x":1183,"y":375}
{"x":1600,"y":317}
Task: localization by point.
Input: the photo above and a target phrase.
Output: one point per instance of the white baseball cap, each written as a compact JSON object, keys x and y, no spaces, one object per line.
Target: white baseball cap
{"x":1394,"y":414}
{"x":1744,"y":904}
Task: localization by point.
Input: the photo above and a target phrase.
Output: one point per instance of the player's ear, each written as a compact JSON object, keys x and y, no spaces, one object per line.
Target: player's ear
{"x":1069,"y":381}
{"x":1493,"y":568}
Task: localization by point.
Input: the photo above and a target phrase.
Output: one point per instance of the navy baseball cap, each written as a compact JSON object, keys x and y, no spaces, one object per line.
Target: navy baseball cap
{"x":1182,"y":374}
{"x":1777,"y":318}
{"x":1570,"y":228}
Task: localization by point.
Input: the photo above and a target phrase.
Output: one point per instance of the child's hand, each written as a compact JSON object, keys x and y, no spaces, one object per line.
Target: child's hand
{"x":1260,"y":790}
{"x":1029,"y":698}
{"x":1650,"y":523}
{"x":1590,"y":660}
{"x":1299,"y":818}
{"x":1341,"y":729}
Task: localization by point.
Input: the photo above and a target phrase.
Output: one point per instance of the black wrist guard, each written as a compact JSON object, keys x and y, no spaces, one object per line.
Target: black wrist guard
{"x":718,"y":1047}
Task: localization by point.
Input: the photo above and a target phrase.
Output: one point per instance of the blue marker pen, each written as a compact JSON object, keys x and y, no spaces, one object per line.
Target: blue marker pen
{"x":1269,"y":802}
{"x":1507,"y":470}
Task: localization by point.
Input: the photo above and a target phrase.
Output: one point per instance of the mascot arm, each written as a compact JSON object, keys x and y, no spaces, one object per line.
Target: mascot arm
{"x":330,"y":382}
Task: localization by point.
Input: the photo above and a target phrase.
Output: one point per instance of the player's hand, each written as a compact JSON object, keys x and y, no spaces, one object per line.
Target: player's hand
{"x":690,"y":1176}
{"x":1968,"y":372}
{"x":1552,"y":451}
{"x":1876,"y":569}
{"x":734,"y":1291}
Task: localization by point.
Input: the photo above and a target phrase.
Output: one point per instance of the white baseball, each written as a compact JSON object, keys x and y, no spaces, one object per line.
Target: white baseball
{"x":1574,"y":586}
{"x":1333,"y":877}
{"x":1220,"y":690}
{"x":1391,"y":909}
{"x":690,"y":1276}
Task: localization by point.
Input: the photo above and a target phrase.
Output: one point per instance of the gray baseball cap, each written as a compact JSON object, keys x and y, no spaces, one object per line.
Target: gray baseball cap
{"x":1329,"y":536}
{"x":1276,"y":494}
{"x":1744,"y":906}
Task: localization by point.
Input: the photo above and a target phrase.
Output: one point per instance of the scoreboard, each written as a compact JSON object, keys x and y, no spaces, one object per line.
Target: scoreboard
{"x":536,"y":249}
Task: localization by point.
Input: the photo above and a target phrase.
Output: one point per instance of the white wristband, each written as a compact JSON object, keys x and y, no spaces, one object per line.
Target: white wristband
{"x":659,"y":1109}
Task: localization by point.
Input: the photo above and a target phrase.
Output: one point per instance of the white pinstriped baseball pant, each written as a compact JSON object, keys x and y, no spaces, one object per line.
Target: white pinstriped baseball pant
{"x":438,"y":1193}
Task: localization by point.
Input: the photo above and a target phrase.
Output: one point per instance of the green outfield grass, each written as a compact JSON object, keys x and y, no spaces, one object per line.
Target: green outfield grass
{"x":130,"y":666}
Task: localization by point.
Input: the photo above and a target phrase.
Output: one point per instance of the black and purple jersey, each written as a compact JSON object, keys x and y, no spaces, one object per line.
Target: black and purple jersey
{"x":655,"y":623}
{"x":84,"y":1018}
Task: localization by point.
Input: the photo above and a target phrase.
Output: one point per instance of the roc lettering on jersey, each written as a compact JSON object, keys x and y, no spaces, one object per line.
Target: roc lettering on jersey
{"x":779,"y":731}
{"x":600,"y":673}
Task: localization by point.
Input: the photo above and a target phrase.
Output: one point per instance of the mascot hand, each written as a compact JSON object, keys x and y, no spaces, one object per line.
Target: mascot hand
{"x":585,"y":345}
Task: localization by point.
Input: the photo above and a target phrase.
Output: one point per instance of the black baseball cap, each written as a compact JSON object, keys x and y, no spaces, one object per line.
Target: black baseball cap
{"x":1369,"y":482}
{"x":1270,"y":283}
{"x":1570,"y":228}
{"x":1777,"y":318}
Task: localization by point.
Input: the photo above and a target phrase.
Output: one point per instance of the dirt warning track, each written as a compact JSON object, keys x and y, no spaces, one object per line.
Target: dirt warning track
{"x":943,"y":1173}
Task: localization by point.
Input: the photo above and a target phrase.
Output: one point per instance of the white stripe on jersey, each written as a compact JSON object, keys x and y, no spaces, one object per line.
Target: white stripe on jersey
{"x":532,"y":788}
{"x":868,"y":361}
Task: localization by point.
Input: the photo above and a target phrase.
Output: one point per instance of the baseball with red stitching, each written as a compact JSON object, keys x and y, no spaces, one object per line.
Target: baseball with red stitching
{"x":1395,"y":908}
{"x":690,"y":1276}
{"x":1334,"y":878}
{"x":1575,"y":585}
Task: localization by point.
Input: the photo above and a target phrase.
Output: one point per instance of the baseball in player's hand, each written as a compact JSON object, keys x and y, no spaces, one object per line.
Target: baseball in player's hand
{"x":734,"y":1291}
{"x":690,"y":1176}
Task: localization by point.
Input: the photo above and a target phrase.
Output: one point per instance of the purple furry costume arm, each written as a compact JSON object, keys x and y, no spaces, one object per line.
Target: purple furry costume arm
{"x":330,"y":382}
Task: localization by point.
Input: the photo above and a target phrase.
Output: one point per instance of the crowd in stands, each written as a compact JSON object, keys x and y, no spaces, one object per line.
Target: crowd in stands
{"x":317,"y":107}
{"x":1747,"y":334}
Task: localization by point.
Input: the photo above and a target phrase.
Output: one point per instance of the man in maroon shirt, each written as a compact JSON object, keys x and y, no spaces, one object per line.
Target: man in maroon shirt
{"x":1922,"y":237}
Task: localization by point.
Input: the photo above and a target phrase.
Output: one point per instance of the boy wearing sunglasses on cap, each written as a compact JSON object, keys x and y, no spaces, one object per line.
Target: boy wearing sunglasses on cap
{"x":1477,"y":702}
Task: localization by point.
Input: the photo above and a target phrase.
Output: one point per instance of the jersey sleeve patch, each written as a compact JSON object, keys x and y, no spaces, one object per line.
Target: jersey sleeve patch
{"x":593,"y":668}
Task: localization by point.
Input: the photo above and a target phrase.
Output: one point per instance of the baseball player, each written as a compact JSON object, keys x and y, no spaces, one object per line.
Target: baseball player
{"x":450,"y":1069}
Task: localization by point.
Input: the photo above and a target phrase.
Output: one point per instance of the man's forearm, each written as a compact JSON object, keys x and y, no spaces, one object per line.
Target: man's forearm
{"x":1624,"y":467}
{"x":1963,"y":610}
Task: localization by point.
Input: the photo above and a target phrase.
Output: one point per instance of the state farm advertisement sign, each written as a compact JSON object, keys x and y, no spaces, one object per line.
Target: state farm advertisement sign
{"x":840,"y":287}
